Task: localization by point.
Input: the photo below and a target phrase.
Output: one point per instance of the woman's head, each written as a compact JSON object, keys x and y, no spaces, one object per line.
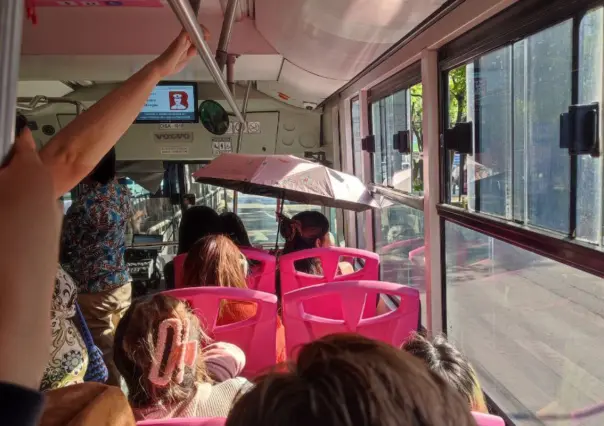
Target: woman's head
{"x":105,"y":171}
{"x":215,"y":261}
{"x":444,"y":359}
{"x":349,"y":380}
{"x":308,"y":229}
{"x":233,"y":226}
{"x":139,"y":346}
{"x":196,"y":223}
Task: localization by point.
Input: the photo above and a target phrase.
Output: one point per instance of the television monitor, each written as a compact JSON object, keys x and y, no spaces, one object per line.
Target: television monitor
{"x":171,"y":102}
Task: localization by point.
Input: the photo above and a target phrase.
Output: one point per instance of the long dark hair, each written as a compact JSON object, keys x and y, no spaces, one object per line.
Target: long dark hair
{"x":233,"y":227}
{"x":301,"y":232}
{"x":105,"y":171}
{"x":197,"y":222}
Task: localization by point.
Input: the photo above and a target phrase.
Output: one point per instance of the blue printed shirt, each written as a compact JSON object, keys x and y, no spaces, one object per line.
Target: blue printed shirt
{"x":94,"y":237}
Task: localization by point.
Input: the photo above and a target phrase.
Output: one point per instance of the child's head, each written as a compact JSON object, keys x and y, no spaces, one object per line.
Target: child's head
{"x":153,"y":335}
{"x":444,"y":359}
{"x":349,"y":380}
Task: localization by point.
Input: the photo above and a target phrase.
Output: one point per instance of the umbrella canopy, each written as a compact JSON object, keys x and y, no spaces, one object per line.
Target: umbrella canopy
{"x":287,"y":177}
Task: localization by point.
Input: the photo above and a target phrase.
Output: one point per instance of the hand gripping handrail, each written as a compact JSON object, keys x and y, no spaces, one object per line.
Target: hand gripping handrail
{"x":183,"y":11}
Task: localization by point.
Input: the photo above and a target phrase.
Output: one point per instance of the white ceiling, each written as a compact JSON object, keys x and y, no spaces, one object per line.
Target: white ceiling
{"x":304,"y":49}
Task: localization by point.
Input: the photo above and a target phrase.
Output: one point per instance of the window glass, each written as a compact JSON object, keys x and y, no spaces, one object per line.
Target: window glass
{"x":514,"y":96}
{"x":530,"y":326}
{"x":358,"y":169}
{"x":399,"y":236}
{"x":66,"y":200}
{"x":399,"y":113}
{"x":258,"y":216}
{"x":417,"y":160}
{"x":379,"y":157}
{"x":589,"y":176}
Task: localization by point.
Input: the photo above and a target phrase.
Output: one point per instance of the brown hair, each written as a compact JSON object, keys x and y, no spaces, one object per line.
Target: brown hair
{"x":134,"y":349}
{"x":215,"y":261}
{"x":348,"y":380}
{"x":444,"y":359}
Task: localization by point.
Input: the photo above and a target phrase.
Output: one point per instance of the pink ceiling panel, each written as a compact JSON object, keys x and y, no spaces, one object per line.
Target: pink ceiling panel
{"x":338,"y":38}
{"x":126,"y":31}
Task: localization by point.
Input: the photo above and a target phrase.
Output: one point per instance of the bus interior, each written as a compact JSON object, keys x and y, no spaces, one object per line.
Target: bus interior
{"x":455,"y":111}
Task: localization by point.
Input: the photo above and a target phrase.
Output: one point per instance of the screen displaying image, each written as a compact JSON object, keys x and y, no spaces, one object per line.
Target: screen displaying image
{"x":171,"y":103}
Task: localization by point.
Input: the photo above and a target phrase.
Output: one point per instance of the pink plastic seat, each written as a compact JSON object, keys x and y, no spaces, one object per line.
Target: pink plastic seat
{"x":487,"y":419}
{"x":262,"y":276}
{"x":393,"y":327}
{"x":291,"y":279}
{"x":255,"y":336}
{"x":190,"y":421}
{"x":179,"y":270}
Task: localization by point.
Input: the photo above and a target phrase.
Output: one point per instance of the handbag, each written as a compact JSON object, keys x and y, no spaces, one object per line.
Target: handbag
{"x":97,"y":370}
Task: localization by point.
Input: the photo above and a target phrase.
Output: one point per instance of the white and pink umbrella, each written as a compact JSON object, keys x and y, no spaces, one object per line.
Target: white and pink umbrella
{"x":289,"y":178}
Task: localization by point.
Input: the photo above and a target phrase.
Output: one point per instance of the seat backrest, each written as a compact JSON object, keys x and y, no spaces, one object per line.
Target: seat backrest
{"x":393,"y":327}
{"x":189,"y":421}
{"x":256,"y":336}
{"x":487,"y":419}
{"x":179,"y":270}
{"x":261,"y":276}
{"x":291,"y":279}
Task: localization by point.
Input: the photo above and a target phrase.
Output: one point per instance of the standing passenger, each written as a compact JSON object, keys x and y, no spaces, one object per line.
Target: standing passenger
{"x":93,"y":247}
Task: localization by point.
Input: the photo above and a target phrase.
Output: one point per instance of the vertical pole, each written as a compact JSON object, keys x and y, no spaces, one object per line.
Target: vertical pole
{"x":246,"y":98}
{"x":225,"y":33}
{"x":433,"y":238}
{"x":367,"y":167}
{"x":11,"y":24}
{"x":231,"y":74}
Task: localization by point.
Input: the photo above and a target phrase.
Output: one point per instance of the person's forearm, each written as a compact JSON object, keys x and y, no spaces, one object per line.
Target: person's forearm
{"x":77,"y":148}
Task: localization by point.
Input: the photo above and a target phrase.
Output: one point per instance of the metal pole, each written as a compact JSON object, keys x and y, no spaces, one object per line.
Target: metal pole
{"x":186,"y":16}
{"x":225,"y":33}
{"x":11,"y":25}
{"x":246,"y":97}
{"x":231,"y":73}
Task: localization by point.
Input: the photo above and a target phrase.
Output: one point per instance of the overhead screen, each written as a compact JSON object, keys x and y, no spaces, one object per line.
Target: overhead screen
{"x":171,"y":102}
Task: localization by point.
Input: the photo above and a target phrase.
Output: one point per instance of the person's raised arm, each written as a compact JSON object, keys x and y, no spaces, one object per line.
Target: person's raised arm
{"x":74,"y":152}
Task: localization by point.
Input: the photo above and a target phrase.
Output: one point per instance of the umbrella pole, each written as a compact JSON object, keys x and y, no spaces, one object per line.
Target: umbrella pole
{"x":280,"y":202}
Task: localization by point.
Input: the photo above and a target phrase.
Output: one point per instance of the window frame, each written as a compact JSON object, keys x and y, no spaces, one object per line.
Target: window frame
{"x":403,"y":80}
{"x":519,"y":21}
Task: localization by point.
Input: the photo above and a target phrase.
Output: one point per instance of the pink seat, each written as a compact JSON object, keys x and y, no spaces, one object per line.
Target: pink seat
{"x":179,"y":270}
{"x":487,"y":419}
{"x":393,"y":327}
{"x":190,"y":421}
{"x":291,"y":279}
{"x":262,"y":276}
{"x":255,"y":336}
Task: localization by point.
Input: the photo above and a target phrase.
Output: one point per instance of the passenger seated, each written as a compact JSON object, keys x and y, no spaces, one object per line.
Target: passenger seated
{"x":233,"y":227}
{"x":196,"y":223}
{"x":158,"y":353}
{"x":68,"y":360}
{"x":307,"y":230}
{"x":349,"y":380}
{"x":444,"y":359}
{"x":216,"y":261}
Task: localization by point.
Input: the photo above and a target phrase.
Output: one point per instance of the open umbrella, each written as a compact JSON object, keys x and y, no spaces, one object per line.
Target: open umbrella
{"x":289,"y":178}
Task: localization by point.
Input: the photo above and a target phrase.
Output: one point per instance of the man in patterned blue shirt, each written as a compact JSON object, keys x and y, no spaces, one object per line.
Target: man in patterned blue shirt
{"x":92,"y":251}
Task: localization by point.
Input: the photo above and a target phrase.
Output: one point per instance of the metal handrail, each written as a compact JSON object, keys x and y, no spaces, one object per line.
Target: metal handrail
{"x":11,"y":22}
{"x":33,"y":102}
{"x":185,"y":14}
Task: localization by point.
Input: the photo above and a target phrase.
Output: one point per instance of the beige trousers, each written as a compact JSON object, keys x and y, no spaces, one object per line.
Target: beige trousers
{"x":103,"y":312}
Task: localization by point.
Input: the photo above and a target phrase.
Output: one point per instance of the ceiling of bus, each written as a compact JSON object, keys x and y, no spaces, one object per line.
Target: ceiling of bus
{"x":304,"y":49}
